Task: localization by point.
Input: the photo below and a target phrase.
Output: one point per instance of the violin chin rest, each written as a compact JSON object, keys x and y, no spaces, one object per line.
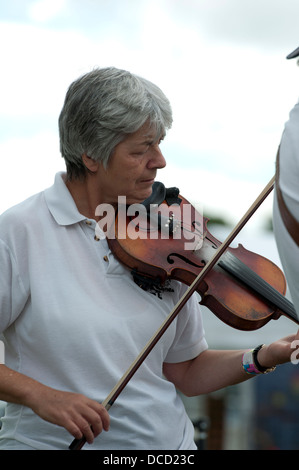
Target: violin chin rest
{"x":157,"y":196}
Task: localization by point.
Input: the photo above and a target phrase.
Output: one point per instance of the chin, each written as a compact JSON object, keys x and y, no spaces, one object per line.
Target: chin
{"x":137,"y":198}
{"x":145,"y":194}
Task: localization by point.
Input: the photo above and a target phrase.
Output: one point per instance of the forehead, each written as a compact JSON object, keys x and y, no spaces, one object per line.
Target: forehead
{"x":146,"y":133}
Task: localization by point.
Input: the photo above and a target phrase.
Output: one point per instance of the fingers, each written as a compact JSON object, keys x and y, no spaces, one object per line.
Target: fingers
{"x":89,"y":422}
{"x":281,"y":351}
{"x":79,"y":415}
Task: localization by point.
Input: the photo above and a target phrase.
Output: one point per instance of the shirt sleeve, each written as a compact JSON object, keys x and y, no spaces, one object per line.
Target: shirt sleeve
{"x":189,"y":340}
{"x":288,"y":182}
{"x":12,"y":292}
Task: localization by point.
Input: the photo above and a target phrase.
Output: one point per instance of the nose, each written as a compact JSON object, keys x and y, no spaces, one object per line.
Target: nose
{"x":156,"y":158}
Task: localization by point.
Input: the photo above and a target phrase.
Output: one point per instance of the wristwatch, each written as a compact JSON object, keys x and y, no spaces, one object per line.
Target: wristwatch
{"x":261,"y":369}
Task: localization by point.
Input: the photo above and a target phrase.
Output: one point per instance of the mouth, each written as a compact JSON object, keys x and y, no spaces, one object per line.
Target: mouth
{"x":148,"y":181}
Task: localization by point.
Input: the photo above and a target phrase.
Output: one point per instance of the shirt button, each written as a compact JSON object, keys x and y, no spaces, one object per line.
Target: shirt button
{"x":88,"y":222}
{"x":105,"y":258}
{"x":96,"y":238}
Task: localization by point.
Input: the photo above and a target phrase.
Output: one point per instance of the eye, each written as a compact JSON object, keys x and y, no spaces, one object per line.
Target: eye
{"x":142,"y":150}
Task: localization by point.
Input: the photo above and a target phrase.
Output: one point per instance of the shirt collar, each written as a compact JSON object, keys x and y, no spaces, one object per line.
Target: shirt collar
{"x":60,"y":202}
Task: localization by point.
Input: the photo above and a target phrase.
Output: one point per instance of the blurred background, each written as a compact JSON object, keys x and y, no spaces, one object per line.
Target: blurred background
{"x":222,"y":64}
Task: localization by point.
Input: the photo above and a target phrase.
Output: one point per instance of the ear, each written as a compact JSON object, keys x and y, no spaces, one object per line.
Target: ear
{"x":89,"y":163}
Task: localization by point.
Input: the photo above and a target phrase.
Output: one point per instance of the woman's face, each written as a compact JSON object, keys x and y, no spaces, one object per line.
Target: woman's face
{"x":132,"y":168}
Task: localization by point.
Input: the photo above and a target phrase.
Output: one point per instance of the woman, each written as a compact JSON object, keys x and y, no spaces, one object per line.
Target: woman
{"x":72,"y":317}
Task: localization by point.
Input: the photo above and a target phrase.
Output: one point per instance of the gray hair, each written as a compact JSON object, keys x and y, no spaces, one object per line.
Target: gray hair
{"x":101,"y":108}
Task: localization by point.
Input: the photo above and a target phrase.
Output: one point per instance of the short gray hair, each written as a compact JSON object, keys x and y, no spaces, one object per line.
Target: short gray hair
{"x":101,"y":108}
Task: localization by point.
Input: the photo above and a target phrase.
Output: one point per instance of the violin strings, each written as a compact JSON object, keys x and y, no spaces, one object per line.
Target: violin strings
{"x":237,"y":268}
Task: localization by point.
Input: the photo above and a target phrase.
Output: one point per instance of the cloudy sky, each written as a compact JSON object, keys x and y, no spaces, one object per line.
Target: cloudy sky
{"x":221,"y":63}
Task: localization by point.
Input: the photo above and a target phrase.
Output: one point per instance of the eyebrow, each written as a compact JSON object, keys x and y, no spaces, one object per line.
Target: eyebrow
{"x":146,"y":142}
{"x":151,"y":139}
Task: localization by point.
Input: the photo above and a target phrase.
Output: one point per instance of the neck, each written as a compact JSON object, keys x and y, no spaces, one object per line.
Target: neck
{"x":86,"y":196}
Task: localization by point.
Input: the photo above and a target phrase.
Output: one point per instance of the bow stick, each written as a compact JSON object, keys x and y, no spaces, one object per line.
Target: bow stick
{"x":77,"y":444}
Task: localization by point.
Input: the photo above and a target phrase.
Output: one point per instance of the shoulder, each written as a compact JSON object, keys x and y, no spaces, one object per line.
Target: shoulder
{"x":289,"y":154}
{"x":15,"y":219}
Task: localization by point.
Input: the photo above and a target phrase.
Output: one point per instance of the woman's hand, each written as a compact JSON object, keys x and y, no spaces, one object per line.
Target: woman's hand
{"x":79,"y":415}
{"x":75,"y":412}
{"x":278,"y":352}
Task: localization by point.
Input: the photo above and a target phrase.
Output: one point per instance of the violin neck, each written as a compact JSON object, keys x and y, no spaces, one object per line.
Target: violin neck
{"x":242,"y":272}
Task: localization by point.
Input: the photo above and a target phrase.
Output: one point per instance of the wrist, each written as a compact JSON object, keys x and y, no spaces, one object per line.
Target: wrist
{"x":260,"y":357}
{"x":33,"y":393}
{"x":254,"y":361}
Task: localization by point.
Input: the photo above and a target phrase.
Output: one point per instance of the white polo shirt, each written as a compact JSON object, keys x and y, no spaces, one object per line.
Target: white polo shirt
{"x":289,"y":185}
{"x":73,"y":318}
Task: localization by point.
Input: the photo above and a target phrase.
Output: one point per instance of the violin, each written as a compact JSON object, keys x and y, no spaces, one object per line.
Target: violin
{"x":171,"y":240}
{"x":243,"y":289}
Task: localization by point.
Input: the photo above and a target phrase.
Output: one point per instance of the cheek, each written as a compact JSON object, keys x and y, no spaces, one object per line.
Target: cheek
{"x":132,"y":172}
{"x":127,"y":170}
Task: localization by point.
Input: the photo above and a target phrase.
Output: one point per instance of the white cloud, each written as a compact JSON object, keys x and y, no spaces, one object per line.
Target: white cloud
{"x":45,"y":10}
{"x":230,"y":96}
{"x":28,"y":166}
